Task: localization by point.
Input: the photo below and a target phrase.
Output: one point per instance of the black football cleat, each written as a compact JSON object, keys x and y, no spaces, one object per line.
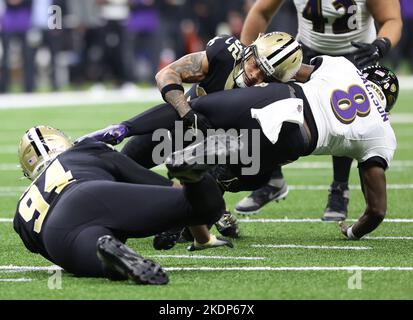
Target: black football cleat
{"x":190,"y":164}
{"x":228,"y":225}
{"x":120,"y":259}
{"x":167,"y":239}
{"x":337,"y":205}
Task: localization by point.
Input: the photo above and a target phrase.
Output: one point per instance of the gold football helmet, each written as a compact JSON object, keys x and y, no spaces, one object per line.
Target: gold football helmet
{"x":38,"y":147}
{"x":277,"y":54}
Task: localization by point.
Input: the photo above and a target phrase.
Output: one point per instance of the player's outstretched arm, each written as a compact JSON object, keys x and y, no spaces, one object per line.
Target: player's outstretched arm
{"x":387,"y":15}
{"x":191,"y":68}
{"x":373,"y":181}
{"x":204,"y":240}
{"x":258,"y":19}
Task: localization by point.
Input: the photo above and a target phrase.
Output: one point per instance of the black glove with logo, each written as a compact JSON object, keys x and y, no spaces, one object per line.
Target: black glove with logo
{"x":196,"y":121}
{"x":368,"y":54}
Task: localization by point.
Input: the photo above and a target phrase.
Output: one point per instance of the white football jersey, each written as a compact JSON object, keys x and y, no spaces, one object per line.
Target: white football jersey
{"x":329,"y":26}
{"x":350,"y":118}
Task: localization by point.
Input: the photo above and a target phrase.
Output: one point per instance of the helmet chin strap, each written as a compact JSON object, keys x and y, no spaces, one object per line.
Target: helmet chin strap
{"x":239,"y":79}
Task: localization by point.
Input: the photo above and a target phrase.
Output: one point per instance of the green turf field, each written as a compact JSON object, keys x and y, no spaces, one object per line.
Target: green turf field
{"x":319,"y":268}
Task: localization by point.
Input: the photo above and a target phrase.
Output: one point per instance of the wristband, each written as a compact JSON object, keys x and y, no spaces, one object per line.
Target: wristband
{"x":384,"y":46}
{"x":170,"y":87}
{"x":350,"y":234}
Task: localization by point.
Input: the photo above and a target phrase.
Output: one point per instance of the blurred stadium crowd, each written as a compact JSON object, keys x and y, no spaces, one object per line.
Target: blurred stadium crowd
{"x":121,"y":42}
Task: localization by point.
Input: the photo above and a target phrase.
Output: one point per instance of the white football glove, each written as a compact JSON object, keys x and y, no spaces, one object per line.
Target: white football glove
{"x":212,"y":243}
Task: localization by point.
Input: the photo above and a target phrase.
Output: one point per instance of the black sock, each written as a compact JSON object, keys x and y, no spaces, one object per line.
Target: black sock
{"x":341,"y":167}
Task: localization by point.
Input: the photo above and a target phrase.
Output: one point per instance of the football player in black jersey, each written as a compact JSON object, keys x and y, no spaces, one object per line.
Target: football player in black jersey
{"x":224,"y":65}
{"x":86,"y":200}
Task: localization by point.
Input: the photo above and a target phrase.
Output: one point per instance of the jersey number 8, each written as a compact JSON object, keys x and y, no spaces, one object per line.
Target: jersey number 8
{"x":347,"y":105}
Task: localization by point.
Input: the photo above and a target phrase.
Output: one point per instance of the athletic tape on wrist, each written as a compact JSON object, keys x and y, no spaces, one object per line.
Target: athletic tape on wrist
{"x":350,"y":234}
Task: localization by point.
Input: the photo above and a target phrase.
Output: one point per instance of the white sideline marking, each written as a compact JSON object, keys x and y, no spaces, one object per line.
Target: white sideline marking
{"x":389,"y":238}
{"x":294,"y":246}
{"x":77,"y":98}
{"x":17,"y":280}
{"x":206,"y":257}
{"x":286,"y":220}
{"x":312,"y":268}
{"x":5,"y":220}
{"x":288,"y":268}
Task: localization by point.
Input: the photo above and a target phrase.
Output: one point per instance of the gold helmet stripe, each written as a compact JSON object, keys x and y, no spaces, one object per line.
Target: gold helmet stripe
{"x":36,"y":142}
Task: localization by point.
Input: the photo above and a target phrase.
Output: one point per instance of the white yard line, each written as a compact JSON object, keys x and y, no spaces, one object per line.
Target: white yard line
{"x":352,"y":268}
{"x":389,"y":238}
{"x":29,"y":268}
{"x":179,"y":256}
{"x":16,"y":191}
{"x":295,"y":268}
{"x":16,"y":280}
{"x":295,"y":246}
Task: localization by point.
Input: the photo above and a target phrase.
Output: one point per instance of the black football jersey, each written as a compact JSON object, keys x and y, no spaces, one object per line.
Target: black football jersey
{"x":87,"y":160}
{"x":224,"y":54}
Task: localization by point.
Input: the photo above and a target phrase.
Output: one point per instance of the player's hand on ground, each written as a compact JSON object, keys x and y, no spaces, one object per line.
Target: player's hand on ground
{"x":212,"y":243}
{"x":113,"y":134}
{"x":196,"y":121}
{"x":343,"y":228}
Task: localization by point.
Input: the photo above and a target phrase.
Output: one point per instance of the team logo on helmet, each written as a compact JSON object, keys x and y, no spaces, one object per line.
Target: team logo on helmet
{"x":38,"y":147}
{"x":386,"y":81}
{"x":277,"y":54}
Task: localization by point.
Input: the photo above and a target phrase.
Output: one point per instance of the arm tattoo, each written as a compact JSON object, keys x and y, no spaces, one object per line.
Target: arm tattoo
{"x":188,"y":69}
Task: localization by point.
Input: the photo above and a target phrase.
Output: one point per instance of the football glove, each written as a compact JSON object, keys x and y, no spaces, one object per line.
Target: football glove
{"x":196,"y":121}
{"x":113,"y":134}
{"x":368,"y":54}
{"x":166,"y":240}
{"x":212,"y":243}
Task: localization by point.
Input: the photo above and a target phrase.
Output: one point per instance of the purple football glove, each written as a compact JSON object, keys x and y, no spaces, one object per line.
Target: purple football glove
{"x":113,"y":134}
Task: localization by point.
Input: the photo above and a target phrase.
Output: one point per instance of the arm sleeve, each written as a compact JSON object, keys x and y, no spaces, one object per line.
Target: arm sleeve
{"x":161,"y":116}
{"x":126,"y":170}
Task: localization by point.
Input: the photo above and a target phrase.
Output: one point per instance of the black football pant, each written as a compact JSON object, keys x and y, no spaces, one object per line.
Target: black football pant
{"x":91,"y":209}
{"x":229,"y":109}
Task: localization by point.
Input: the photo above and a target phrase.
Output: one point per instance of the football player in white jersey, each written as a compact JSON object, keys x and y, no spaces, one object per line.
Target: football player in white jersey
{"x":339,"y":110}
{"x":338,"y":28}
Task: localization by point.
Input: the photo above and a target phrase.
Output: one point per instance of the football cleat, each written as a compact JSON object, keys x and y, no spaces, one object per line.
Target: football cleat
{"x":337,"y":205}
{"x":121,"y":260}
{"x":167,"y":239}
{"x":228,"y":225}
{"x":260,"y":197}
{"x":190,"y":164}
